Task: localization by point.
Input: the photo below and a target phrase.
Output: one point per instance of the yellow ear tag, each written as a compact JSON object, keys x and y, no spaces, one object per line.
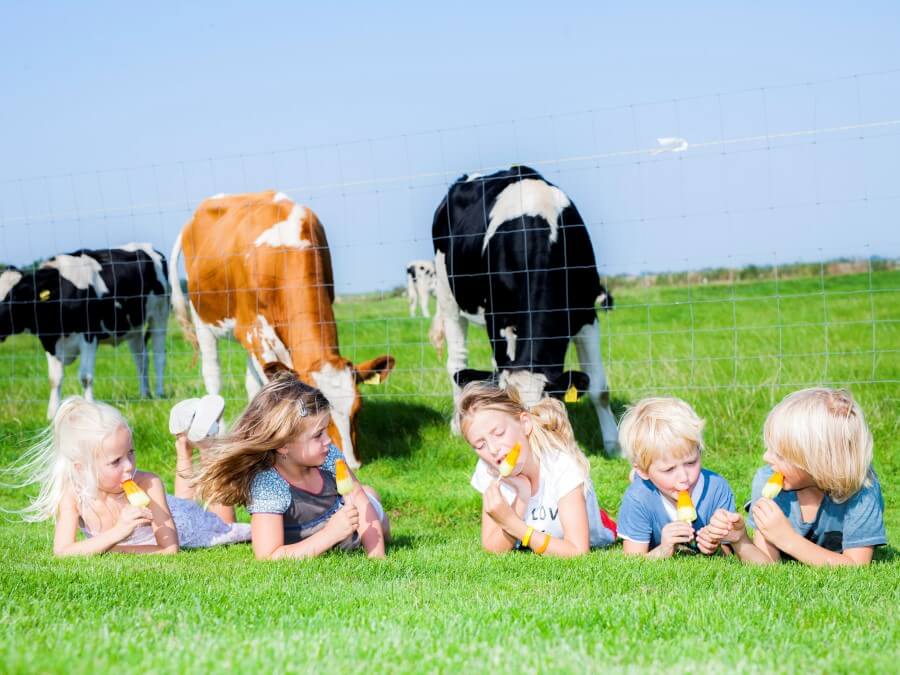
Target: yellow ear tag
{"x":374,"y":379}
{"x":571,"y":395}
{"x":44,"y":295}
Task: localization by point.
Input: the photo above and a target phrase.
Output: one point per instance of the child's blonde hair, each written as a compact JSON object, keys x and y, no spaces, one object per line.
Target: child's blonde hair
{"x":64,"y":456}
{"x":279,"y":412}
{"x":551,"y":430}
{"x":656,"y":426}
{"x":823,"y":431}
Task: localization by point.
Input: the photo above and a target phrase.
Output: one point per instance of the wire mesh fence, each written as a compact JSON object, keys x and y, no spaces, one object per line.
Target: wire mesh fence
{"x":749,"y":238}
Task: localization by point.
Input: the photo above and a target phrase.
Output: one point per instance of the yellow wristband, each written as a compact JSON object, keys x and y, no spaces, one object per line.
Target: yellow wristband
{"x":543,"y":547}
{"x":527,"y":537}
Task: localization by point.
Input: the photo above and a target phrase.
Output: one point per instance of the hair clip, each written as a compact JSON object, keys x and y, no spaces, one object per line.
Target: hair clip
{"x":304,"y":411}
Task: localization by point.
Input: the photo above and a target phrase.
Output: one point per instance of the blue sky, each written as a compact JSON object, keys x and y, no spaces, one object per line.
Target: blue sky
{"x":117,"y":120}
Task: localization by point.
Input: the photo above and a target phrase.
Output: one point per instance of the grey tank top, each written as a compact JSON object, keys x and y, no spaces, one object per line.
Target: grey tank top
{"x":309,"y":513}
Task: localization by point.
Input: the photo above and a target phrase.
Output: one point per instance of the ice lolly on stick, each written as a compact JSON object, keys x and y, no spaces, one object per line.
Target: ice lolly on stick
{"x":136,"y":496}
{"x":773,"y":485}
{"x":509,"y":462}
{"x":685,"y":511}
{"x":342,"y":478}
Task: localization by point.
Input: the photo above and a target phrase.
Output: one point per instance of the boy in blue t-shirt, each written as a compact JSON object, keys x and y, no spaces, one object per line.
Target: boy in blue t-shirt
{"x":663,"y":439}
{"x":829,"y":510}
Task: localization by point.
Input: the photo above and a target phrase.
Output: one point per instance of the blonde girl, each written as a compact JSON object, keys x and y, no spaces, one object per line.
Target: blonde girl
{"x":80,"y":463}
{"x":547,"y":503}
{"x":278,"y":461}
{"x":830,"y":510}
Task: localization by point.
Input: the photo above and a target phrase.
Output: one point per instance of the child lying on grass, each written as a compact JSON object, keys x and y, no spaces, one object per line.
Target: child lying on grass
{"x":81,"y":463}
{"x":830,"y":510}
{"x":279,"y":461}
{"x":546,"y":499}
{"x":663,"y":439}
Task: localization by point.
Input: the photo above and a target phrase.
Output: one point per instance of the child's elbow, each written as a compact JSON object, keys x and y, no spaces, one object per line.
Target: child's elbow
{"x":171,"y":549}
{"x":265,"y":554}
{"x":580,"y":548}
{"x":493,"y":546}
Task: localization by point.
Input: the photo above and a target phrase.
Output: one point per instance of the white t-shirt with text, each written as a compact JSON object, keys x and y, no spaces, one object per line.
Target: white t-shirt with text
{"x":559,"y":475}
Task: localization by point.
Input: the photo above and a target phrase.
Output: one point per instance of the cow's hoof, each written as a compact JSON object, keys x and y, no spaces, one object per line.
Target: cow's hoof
{"x":612,"y":450}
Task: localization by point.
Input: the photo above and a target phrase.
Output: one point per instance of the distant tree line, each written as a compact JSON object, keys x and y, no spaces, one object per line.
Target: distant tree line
{"x":729,"y":275}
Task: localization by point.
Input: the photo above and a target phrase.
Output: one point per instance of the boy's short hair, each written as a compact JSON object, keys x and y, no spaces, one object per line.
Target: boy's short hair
{"x":824,"y":432}
{"x":656,"y":426}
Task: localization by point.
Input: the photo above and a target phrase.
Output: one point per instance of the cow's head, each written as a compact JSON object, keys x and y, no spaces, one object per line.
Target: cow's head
{"x":9,"y":305}
{"x":567,"y":385}
{"x":339,"y":380}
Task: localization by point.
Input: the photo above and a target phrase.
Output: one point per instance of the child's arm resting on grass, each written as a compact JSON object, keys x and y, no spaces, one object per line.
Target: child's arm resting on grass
{"x":498,"y":518}
{"x":774,"y":530}
{"x":65,"y":534}
{"x":727,"y":527}
{"x":371,"y":533}
{"x":371,"y":530}
{"x":576,"y":533}
{"x":162,"y":522}
{"x":636,"y":530}
{"x":674,"y":533}
{"x":267,"y":535}
{"x":502,"y":524}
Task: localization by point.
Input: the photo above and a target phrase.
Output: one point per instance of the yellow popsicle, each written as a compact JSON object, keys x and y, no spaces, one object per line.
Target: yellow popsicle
{"x":685,"y":511}
{"x":342,"y":478}
{"x":773,"y":485}
{"x":509,"y":462}
{"x":136,"y":496}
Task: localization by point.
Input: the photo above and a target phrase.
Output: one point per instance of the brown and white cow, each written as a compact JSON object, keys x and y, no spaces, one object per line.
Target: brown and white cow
{"x":259,"y":268}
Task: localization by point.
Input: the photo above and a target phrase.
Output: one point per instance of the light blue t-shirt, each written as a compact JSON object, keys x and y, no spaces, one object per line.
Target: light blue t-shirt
{"x":645,"y":512}
{"x":857,"y":522}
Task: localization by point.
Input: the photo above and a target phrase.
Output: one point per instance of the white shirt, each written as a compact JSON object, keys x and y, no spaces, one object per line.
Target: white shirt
{"x":559,"y":475}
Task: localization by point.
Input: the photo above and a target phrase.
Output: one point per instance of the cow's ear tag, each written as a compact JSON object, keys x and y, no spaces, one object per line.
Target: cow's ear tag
{"x":373,"y":379}
{"x":571,"y":395}
{"x":45,"y":294}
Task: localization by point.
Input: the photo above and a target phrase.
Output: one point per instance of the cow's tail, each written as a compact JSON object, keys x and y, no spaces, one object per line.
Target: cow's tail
{"x":179,"y":303}
{"x":436,"y":331}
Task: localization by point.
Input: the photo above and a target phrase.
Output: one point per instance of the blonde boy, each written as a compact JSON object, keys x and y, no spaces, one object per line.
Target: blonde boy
{"x":830,"y":510}
{"x":663,"y":440}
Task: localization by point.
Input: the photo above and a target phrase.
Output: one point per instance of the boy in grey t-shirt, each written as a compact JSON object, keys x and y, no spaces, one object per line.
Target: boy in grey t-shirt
{"x":854,"y":523}
{"x":830,"y":510}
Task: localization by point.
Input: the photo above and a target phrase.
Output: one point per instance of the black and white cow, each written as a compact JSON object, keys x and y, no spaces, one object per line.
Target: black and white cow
{"x":76,"y":300}
{"x":512,"y":253}
{"x":419,"y":285}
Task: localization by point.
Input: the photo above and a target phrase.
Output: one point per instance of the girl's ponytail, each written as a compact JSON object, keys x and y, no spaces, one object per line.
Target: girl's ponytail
{"x":552,"y":430}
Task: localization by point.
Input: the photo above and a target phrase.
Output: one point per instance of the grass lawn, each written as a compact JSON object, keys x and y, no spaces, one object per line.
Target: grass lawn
{"x":438,"y":603}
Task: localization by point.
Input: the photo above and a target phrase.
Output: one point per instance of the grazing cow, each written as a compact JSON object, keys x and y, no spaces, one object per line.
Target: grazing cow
{"x":419,"y":285}
{"x":259,"y":268}
{"x":76,"y":300}
{"x":512,"y":253}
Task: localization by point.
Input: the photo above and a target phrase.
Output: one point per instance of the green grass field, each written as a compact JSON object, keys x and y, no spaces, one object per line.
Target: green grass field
{"x":438,"y":603}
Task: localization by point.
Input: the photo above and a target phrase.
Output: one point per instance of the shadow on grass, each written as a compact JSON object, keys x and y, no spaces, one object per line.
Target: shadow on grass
{"x":886,"y":554}
{"x":587,"y":426}
{"x":391,"y":428}
{"x":402,"y":541}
